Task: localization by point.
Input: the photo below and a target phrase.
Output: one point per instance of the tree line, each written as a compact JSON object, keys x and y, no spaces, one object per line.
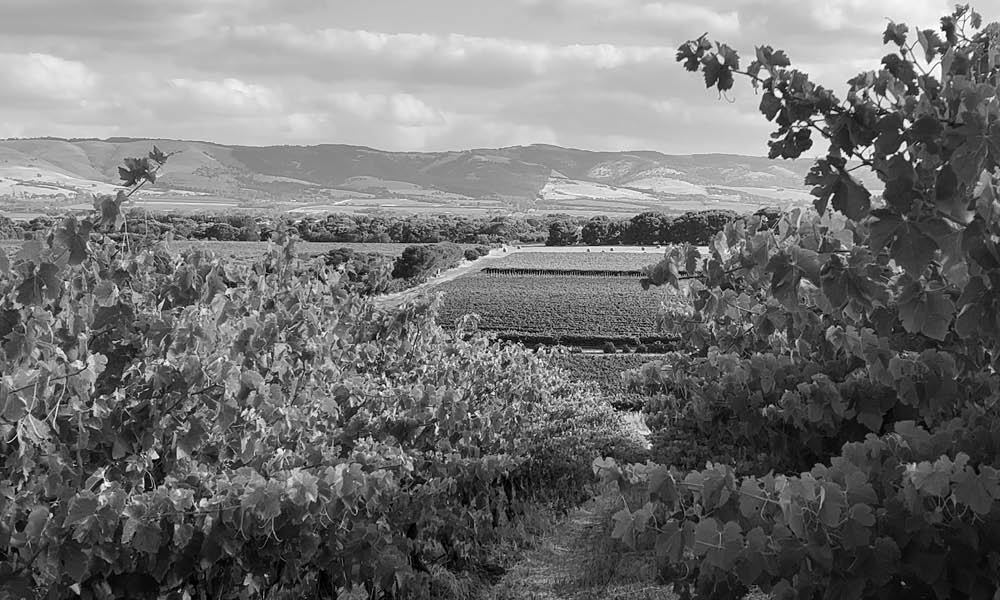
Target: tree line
{"x":647,"y":228}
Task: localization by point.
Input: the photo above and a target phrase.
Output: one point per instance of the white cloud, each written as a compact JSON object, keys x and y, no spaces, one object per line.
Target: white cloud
{"x":392,"y":74}
{"x":427,"y":58}
{"x":45,"y":77}
{"x":229,"y":96}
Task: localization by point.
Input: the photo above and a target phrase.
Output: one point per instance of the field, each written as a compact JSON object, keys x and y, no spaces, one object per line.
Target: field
{"x":605,"y":260}
{"x":557,"y":305}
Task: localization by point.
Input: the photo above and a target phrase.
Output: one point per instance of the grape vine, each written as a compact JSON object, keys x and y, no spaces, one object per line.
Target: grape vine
{"x":856,"y":345}
{"x":180,"y":426}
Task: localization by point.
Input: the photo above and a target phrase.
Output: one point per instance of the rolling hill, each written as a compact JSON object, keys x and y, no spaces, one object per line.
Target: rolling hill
{"x":354,"y":178}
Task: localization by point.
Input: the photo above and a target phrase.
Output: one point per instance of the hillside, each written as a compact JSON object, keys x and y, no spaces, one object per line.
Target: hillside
{"x":353,"y":178}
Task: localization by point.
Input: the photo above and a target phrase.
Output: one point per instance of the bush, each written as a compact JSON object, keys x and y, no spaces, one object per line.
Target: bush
{"x":609,"y":348}
{"x":418,"y":262}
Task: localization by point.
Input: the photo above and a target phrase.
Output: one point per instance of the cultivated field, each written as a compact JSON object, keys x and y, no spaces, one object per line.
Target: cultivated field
{"x":603,"y":259}
{"x":557,"y":305}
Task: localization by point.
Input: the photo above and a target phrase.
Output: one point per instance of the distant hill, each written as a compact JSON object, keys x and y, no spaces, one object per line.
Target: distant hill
{"x":339,"y":177}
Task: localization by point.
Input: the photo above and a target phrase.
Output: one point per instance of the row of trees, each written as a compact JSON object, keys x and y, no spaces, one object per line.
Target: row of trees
{"x":555,"y":230}
{"x":646,"y":228}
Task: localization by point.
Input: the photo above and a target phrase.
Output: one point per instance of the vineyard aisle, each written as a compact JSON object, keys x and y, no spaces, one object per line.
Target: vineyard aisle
{"x":576,"y":559}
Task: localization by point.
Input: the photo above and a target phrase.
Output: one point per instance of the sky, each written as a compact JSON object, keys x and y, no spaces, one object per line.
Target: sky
{"x":417,"y":75}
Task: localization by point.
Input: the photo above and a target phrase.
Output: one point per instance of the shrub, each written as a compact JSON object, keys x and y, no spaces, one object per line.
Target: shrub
{"x":609,"y":348}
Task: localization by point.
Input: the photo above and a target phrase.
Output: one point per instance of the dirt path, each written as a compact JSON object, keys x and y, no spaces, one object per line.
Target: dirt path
{"x":578,"y":560}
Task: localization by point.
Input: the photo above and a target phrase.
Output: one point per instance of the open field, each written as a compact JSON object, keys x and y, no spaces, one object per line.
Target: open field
{"x":557,"y":305}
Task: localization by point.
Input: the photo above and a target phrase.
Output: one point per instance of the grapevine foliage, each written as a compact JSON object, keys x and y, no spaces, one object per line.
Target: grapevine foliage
{"x":178,"y":426}
{"x":862,"y":338}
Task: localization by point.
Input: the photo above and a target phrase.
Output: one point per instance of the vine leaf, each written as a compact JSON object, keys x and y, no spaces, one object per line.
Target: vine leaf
{"x":42,"y":282}
{"x":912,"y":250}
{"x":706,"y":535}
{"x":73,"y":236}
{"x":971,"y":490}
{"x":109,"y":211}
{"x":82,"y":507}
{"x":926,"y":312}
{"x":883,"y":229}
{"x":851,"y":198}
{"x":624,"y":529}
{"x":895,"y":33}
{"x":37,"y":519}
{"x":833,"y":186}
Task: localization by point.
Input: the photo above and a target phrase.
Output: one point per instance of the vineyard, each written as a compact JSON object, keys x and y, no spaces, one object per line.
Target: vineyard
{"x":608,"y":372}
{"x":603,"y":260}
{"x":828,"y":425}
{"x":557,"y":305}
{"x":180,"y":425}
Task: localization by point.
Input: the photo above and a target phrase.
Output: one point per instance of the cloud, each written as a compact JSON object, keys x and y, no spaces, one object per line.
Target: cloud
{"x":421,"y":58}
{"x":644,"y":15}
{"x":438,"y":74}
{"x":37,"y":77}
{"x":227,"y":97}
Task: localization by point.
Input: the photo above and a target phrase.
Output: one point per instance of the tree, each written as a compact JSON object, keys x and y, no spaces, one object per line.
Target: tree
{"x":425,"y":260}
{"x":697,"y":227}
{"x":646,"y":228}
{"x":857,"y":346}
{"x":563,"y":232}
{"x":596,"y":231}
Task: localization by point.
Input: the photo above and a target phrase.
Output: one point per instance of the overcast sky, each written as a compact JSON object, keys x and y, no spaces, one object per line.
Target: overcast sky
{"x":416,"y":74}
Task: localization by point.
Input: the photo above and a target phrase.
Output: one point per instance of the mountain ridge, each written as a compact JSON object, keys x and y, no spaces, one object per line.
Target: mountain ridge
{"x":536,"y":177}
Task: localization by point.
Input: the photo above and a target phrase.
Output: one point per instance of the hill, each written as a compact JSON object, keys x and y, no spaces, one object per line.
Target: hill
{"x":329,"y":177}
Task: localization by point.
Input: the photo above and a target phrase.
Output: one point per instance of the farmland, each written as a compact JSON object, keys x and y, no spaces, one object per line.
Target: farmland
{"x":557,"y":305}
{"x":609,"y":261}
